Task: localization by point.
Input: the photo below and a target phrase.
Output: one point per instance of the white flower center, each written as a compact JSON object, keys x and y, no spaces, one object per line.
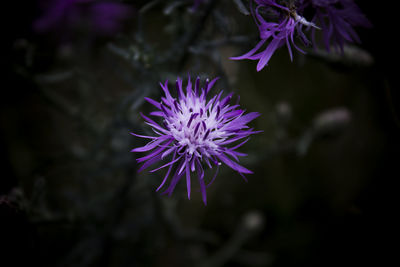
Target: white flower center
{"x":194,"y":127}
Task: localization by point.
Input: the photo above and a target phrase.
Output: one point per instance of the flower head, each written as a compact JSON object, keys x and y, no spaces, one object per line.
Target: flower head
{"x":337,"y":19}
{"x":277,"y":33}
{"x":195,"y":133}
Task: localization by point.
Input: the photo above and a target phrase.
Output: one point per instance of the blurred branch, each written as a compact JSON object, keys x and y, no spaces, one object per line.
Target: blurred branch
{"x":166,"y":210}
{"x":251,"y":223}
{"x":120,"y":198}
{"x":60,"y":104}
{"x":179,"y":50}
{"x":352,"y":56}
{"x":139,"y":34}
{"x":391,"y":101}
{"x":241,"y":7}
{"x":328,"y":123}
{"x":252,"y":258}
{"x":54,"y":77}
{"x":228,"y":40}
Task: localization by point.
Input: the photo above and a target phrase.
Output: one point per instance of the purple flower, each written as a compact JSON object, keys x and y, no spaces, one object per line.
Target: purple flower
{"x":277,"y":33}
{"x":197,"y":3}
{"x":337,"y":19}
{"x":195,"y":133}
{"x":63,"y":16}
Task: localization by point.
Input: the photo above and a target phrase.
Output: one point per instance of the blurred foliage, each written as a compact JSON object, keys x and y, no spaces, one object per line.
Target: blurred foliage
{"x":322,"y":193}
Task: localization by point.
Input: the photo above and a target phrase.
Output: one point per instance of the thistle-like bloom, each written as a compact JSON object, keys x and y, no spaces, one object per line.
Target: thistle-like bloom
{"x":337,"y":19}
{"x":195,"y":133}
{"x":278,"y":33}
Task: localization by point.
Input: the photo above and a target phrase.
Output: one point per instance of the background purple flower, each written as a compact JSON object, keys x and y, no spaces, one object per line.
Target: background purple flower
{"x":196,"y":132}
{"x":196,"y":4}
{"x":64,"y":16}
{"x":277,"y":33}
{"x":337,"y":19}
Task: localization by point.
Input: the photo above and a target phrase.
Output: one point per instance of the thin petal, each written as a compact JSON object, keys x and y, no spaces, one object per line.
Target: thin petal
{"x":175,"y":180}
{"x":200,"y":174}
{"x":151,"y":161}
{"x":166,"y":175}
{"x":215,"y":176}
{"x":154,"y":153}
{"x":166,"y":165}
{"x":268,"y":54}
{"x":157,"y":113}
{"x":188,"y":179}
{"x":211,"y":84}
{"x":153,"y":102}
{"x":233,"y":165}
{"x":144,"y":136}
{"x":251,"y":52}
{"x":153,"y":124}
{"x":150,"y":145}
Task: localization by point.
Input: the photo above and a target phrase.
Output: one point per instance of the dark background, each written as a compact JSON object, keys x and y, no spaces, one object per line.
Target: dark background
{"x":71,"y":195}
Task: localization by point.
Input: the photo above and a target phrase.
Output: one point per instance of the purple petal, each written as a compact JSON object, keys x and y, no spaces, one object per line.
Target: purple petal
{"x":247,"y":118}
{"x":215,"y":176}
{"x":144,"y":136}
{"x":251,"y":52}
{"x":175,"y":180}
{"x":188,"y":179}
{"x":239,"y":145}
{"x":166,"y":165}
{"x":154,"y":153}
{"x":151,"y":145}
{"x":151,"y":161}
{"x":233,"y":165}
{"x":166,"y":175}
{"x":157,"y":113}
{"x":200,"y":174}
{"x":211,"y":84}
{"x":153,"y":124}
{"x":153,"y":102}
{"x":267,"y":54}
